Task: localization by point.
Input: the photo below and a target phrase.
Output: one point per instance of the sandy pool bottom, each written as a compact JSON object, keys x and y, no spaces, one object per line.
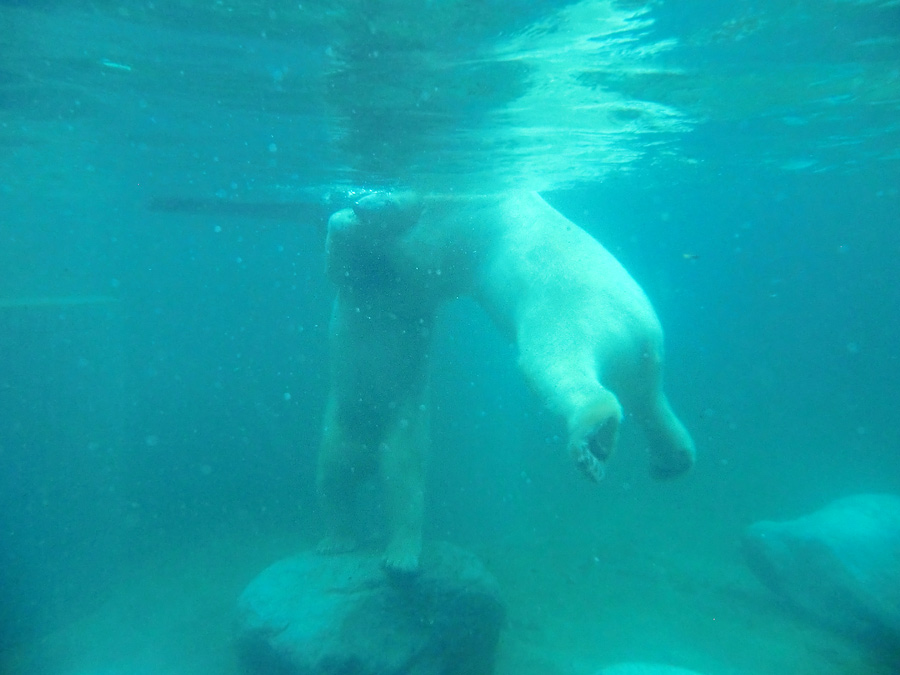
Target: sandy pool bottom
{"x":571,"y":610}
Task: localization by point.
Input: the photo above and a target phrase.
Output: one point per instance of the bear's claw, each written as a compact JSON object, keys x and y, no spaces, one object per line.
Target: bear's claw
{"x":587,"y":462}
{"x":401,"y":559}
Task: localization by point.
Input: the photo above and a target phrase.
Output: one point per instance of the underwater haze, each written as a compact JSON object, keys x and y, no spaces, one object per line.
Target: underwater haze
{"x":167,"y":168}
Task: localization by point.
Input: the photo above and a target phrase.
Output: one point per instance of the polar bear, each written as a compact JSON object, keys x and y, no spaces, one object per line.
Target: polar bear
{"x":589,"y":343}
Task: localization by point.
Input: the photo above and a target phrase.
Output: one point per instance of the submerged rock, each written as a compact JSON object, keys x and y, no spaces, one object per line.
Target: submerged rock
{"x":645,"y":669}
{"x":320,"y":615}
{"x":840,"y":565}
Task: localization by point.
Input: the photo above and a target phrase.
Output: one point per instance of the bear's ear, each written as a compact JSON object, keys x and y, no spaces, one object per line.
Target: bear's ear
{"x":390,"y":212}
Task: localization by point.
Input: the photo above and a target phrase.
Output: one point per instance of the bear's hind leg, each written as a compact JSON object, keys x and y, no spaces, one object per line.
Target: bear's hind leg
{"x":342,"y":468}
{"x":403,"y":476}
{"x":337,"y":492}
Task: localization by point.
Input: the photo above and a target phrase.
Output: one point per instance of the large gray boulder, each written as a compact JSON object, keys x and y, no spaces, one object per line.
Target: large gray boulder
{"x":337,"y":615}
{"x":840,"y":565}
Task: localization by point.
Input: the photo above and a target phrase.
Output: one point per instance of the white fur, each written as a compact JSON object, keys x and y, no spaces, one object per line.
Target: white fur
{"x":588,"y":339}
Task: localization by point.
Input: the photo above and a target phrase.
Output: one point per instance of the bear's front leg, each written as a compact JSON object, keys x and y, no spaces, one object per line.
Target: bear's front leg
{"x":565,"y":378}
{"x":594,"y":432}
{"x":671,"y":447}
{"x":672,"y":450}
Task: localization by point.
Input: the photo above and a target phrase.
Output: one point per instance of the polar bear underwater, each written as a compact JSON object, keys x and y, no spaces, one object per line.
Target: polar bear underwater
{"x":589,"y":343}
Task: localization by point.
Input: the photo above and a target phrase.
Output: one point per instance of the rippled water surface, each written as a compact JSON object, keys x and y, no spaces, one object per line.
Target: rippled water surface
{"x":166,"y":169}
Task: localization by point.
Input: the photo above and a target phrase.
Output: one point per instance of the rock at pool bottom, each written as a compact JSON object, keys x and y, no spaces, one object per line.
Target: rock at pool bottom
{"x":314,"y":614}
{"x":839,"y":565}
{"x":645,"y":669}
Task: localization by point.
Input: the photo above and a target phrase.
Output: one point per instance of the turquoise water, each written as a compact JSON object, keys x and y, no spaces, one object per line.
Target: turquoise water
{"x":165,"y":171}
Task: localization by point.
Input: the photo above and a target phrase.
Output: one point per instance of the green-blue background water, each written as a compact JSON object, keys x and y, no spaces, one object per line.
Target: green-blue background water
{"x":165,"y":171}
